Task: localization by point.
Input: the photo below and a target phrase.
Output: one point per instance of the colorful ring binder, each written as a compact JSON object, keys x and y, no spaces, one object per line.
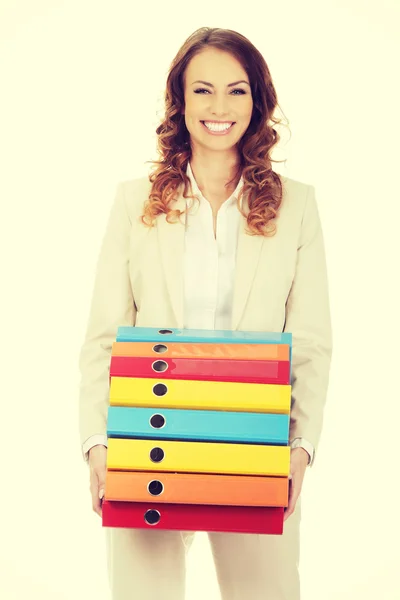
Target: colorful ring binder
{"x":189,"y":488}
{"x":198,"y":457}
{"x":186,"y":517}
{"x":153,"y":334}
{"x":205,"y":395}
{"x":175,"y":424}
{"x":250,"y":371}
{"x":202,"y":350}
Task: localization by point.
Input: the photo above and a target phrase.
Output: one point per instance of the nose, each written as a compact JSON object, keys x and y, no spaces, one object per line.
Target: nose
{"x":219,"y":104}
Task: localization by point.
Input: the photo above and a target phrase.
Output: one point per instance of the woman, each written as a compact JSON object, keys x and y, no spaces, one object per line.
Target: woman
{"x":222,"y":242}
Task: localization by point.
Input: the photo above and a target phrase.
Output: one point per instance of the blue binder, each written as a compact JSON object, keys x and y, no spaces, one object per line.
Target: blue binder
{"x":153,"y":334}
{"x":195,"y":425}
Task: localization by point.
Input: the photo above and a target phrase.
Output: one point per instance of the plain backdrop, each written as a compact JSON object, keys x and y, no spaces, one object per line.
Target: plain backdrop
{"x":82,"y":85}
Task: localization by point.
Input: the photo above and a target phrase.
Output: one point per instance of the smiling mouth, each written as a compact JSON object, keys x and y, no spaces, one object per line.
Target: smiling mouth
{"x":218,"y":126}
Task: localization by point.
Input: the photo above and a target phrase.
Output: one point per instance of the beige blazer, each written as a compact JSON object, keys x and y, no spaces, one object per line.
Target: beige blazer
{"x":280,"y":285}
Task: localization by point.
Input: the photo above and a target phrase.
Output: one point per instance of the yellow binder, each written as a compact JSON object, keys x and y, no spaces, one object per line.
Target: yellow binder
{"x":197,"y":457}
{"x":202,"y":395}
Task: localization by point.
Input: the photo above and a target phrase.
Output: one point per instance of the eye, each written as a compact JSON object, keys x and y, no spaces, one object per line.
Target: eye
{"x":239,"y":90}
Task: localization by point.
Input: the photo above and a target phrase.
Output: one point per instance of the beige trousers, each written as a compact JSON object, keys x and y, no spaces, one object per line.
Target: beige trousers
{"x":145,"y":564}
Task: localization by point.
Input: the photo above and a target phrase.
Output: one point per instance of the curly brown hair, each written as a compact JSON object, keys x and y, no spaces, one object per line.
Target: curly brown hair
{"x":261,"y":185}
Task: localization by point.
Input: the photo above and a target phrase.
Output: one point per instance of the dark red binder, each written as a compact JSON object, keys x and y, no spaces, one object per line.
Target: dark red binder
{"x":252,"y":371}
{"x":190,"y":517}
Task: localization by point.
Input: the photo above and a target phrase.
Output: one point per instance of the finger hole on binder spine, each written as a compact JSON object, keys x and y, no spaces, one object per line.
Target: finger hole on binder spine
{"x":159,"y":366}
{"x":157,"y":421}
{"x":160,"y":389}
{"x":155,"y":487}
{"x":152,"y":517}
{"x":165,"y":331}
{"x":160,"y":348}
{"x":156,"y":454}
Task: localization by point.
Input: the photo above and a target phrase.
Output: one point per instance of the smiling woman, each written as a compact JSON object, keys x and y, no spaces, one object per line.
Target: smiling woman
{"x":220,"y":102}
{"x":248,"y":256}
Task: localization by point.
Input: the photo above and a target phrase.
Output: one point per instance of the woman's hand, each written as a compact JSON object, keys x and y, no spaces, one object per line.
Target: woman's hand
{"x":98,"y":466}
{"x":298,"y":465}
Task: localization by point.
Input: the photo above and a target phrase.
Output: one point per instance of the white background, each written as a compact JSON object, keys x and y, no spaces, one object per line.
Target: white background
{"x":82,"y":87}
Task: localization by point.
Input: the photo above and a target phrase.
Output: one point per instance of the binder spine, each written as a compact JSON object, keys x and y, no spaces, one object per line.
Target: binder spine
{"x":205,"y":350}
{"x":192,"y":425}
{"x":202,"y":395}
{"x":194,"y":369}
{"x":186,"y":517}
{"x":189,"y":488}
{"x":197,"y":457}
{"x":152,"y":334}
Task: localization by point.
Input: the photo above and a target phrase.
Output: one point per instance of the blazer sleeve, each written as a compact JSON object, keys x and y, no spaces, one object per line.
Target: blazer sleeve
{"x":112,"y":305}
{"x":308,"y":319}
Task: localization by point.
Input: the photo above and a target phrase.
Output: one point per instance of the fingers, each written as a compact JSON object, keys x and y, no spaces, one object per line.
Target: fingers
{"x":97,"y":461}
{"x":294,"y":493}
{"x":97,"y":492}
{"x":289,"y":508}
{"x":293,"y":496}
{"x":297,"y":471}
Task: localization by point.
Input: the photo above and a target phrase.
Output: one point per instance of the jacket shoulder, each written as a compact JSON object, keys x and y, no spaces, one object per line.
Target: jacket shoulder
{"x":135,"y":192}
{"x":293,"y":187}
{"x":294,"y":195}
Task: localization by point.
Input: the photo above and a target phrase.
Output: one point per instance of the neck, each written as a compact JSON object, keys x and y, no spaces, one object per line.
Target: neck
{"x":214,"y":171}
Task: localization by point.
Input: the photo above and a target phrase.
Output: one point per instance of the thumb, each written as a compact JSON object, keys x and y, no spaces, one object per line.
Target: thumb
{"x":97,"y":490}
{"x":101,"y":484}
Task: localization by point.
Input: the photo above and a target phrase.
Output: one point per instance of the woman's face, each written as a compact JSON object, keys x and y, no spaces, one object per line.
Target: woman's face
{"x":218,"y":101}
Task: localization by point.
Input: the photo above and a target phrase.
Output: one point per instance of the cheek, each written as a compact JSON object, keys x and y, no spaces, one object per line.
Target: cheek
{"x":247,"y":110}
{"x":190,"y":114}
{"x":191,"y":105}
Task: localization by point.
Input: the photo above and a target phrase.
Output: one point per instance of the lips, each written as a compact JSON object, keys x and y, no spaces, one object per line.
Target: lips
{"x":218,"y":122}
{"x":218,"y":131}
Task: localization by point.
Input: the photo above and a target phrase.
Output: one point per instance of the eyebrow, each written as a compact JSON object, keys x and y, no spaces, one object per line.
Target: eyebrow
{"x":229,"y":84}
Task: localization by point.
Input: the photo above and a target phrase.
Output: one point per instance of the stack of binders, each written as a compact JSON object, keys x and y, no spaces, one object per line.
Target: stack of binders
{"x":198,"y":430}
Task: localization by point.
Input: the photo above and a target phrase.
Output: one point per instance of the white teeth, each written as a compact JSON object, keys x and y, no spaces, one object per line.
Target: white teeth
{"x":217,"y":126}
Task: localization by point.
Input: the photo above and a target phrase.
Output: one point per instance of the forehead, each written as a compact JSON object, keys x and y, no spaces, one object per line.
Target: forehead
{"x":215,"y":66}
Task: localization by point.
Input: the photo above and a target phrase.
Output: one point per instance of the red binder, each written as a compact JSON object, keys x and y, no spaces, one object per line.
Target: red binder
{"x":251,"y":371}
{"x":189,"y":517}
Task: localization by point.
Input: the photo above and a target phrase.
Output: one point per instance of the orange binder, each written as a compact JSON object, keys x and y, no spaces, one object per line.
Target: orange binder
{"x":184,"y":488}
{"x":279,"y":352}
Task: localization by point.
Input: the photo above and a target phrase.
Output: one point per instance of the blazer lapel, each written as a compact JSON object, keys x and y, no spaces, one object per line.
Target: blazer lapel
{"x":247,"y":258}
{"x":171,"y":237}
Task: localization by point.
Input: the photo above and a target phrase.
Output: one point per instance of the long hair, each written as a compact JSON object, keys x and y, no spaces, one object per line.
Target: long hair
{"x":262,"y":186}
